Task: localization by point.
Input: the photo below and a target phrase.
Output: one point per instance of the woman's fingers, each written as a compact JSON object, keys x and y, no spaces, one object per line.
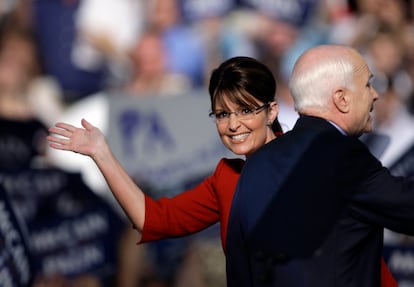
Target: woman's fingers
{"x":65,"y":126}
{"x":60,"y":135}
{"x":88,"y":126}
{"x":58,"y":143}
{"x":60,"y":132}
{"x":64,"y":136}
{"x":57,"y":140}
{"x":63,"y":129}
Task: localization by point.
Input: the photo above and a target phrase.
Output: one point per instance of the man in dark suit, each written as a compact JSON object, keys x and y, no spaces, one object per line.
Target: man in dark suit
{"x":311,"y":205}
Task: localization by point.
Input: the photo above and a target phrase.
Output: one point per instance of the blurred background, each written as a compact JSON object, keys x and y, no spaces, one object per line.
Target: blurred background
{"x":139,"y":70}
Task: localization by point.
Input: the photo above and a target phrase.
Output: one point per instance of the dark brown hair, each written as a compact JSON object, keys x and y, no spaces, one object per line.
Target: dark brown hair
{"x":244,"y":81}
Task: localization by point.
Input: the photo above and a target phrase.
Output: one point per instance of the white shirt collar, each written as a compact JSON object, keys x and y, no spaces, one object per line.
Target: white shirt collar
{"x":338,"y":128}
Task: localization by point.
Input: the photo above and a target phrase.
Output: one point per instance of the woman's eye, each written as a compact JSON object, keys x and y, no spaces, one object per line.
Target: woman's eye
{"x":246,"y":111}
{"x":222,"y":115}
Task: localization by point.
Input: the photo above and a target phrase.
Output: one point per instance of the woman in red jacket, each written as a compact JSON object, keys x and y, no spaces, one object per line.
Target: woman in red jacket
{"x":242,"y":92}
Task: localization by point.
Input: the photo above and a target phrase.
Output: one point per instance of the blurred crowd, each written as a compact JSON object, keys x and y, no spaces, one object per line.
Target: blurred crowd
{"x":61,"y":52}
{"x":61,"y":55}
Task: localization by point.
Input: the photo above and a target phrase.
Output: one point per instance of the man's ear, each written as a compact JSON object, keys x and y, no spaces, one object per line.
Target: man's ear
{"x":341,"y":100}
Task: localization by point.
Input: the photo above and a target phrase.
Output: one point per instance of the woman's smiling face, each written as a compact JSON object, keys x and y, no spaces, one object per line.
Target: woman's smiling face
{"x":245,"y":136}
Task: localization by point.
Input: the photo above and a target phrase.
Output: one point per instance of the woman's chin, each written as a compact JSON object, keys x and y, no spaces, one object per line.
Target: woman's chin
{"x":242,"y":151}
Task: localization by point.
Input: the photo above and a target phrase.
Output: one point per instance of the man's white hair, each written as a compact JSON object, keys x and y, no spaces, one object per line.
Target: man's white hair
{"x":312,"y":85}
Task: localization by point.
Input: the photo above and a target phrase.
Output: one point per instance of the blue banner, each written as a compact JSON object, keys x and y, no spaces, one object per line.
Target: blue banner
{"x":71,"y":231}
{"x":16,"y":265}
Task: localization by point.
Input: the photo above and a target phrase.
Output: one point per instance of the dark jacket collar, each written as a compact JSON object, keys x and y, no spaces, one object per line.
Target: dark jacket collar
{"x":307,"y":122}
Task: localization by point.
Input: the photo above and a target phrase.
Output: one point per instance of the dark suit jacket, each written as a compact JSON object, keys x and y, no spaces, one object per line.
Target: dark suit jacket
{"x":309,"y":210}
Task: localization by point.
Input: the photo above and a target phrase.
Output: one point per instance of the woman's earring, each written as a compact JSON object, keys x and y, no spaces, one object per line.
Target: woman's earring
{"x":269,"y":123}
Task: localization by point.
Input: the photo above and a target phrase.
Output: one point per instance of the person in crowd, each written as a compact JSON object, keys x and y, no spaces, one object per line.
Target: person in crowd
{"x":245,"y":113}
{"x":386,"y":55}
{"x":311,"y":206}
{"x":149,"y":72}
{"x":185,"y":49}
{"x":25,"y":91}
{"x":104,"y":32}
{"x":29,"y":102}
{"x":22,"y":89}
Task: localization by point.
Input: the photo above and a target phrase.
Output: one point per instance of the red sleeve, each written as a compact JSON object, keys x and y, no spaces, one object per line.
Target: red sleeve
{"x":387,"y":280}
{"x":188,"y":212}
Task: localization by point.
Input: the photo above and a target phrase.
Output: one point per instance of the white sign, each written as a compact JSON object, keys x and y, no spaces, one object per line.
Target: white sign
{"x":165,"y":142}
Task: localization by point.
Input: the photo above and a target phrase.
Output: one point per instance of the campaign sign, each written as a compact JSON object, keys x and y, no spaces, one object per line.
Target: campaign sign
{"x":16,"y":266}
{"x":165,"y":143}
{"x":20,"y":142}
{"x":71,"y":230}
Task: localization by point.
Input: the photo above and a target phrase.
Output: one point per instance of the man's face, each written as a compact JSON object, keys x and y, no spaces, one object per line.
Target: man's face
{"x":363,"y":96}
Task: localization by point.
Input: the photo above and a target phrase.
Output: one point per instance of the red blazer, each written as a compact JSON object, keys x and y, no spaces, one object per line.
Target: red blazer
{"x":196,"y":209}
{"x":206,"y":204}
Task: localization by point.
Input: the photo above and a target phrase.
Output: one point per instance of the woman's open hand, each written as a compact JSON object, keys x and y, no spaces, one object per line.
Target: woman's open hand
{"x":86,"y":140}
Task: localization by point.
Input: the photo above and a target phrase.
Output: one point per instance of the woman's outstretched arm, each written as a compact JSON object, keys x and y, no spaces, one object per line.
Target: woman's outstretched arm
{"x":90,"y":141}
